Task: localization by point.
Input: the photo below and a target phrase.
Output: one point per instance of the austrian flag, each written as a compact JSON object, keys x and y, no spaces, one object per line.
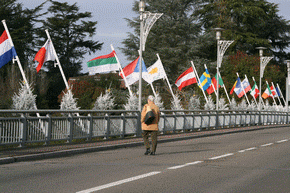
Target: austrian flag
{"x":44,"y":54}
{"x":186,"y":78}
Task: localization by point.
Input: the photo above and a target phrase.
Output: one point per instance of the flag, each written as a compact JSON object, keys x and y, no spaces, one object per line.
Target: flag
{"x":213,"y":85}
{"x":255,"y":91}
{"x":246,"y":85}
{"x":238,"y":88}
{"x":273,"y":91}
{"x":156,"y":71}
{"x":44,"y":54}
{"x":205,"y":80}
{"x":186,"y":78}
{"x":278,"y":92}
{"x":131,"y":72}
{"x":103,"y":64}
{"x":7,"y":51}
{"x":232,"y":91}
{"x":267,"y":92}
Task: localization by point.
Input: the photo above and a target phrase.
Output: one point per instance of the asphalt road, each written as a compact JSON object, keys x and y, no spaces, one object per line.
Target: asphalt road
{"x":256,"y":161}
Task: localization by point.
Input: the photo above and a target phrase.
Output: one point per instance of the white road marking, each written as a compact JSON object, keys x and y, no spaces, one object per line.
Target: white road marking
{"x":249,"y":149}
{"x":181,"y":166}
{"x":281,"y":141}
{"x":221,"y":156}
{"x":268,"y":144}
{"x":118,"y":182}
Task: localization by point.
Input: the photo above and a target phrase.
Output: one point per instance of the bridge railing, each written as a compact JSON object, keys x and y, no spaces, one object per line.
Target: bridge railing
{"x":22,"y":127}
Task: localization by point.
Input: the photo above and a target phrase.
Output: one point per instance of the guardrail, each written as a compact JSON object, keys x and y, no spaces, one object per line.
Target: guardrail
{"x":22,"y":127}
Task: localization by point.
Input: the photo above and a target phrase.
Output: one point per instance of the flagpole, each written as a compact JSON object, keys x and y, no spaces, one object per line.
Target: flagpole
{"x":153,"y":90}
{"x":121,"y":69}
{"x":244,"y":90}
{"x":281,"y":93}
{"x":215,"y":92}
{"x":18,"y":62}
{"x":271,"y":93}
{"x":198,"y":80}
{"x":58,"y":63}
{"x":166,"y":78}
{"x":255,"y":88}
{"x":225,"y":89}
{"x":276,"y":93}
{"x":17,"y":58}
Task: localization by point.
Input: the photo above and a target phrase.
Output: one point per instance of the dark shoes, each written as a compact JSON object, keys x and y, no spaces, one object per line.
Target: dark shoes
{"x":152,"y":153}
{"x":147,"y":151}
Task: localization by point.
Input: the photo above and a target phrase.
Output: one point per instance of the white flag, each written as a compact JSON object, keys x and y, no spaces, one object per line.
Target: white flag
{"x":156,"y":71}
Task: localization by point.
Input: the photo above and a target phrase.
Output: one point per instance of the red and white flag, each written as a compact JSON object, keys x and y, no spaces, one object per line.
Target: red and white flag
{"x":186,"y":78}
{"x":255,"y":91}
{"x":44,"y":54}
{"x":273,"y":91}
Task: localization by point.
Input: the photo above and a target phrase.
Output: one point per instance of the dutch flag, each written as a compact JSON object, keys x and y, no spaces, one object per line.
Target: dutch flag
{"x":7,"y":51}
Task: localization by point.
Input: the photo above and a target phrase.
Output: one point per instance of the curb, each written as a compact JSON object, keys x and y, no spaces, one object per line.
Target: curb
{"x":70,"y":152}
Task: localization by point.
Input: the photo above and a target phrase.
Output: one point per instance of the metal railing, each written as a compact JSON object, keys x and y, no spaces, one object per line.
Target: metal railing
{"x":21,"y":127}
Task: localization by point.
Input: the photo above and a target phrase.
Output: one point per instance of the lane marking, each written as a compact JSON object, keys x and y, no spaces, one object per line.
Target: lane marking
{"x":249,"y":149}
{"x":268,"y":144}
{"x":281,"y":141}
{"x":181,"y":166}
{"x":119,"y":182}
{"x":221,"y":156}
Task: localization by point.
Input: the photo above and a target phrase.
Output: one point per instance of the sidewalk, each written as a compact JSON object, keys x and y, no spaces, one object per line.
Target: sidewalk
{"x":44,"y":152}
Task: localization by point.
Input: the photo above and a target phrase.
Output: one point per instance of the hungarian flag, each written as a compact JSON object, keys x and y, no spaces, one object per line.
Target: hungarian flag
{"x":213,"y":85}
{"x":186,"y":78}
{"x":267,"y":92}
{"x":131,"y":72}
{"x":103,"y":64}
{"x":44,"y":54}
{"x":255,"y":91}
{"x":7,"y":51}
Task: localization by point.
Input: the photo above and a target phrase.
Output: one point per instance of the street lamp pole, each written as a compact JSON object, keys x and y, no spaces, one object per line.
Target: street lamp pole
{"x":263,"y":62}
{"x":141,"y":10}
{"x":222,"y":46}
{"x":287,"y":84}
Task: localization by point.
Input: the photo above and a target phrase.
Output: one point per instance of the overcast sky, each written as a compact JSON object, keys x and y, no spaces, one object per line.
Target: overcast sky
{"x":112,"y":27}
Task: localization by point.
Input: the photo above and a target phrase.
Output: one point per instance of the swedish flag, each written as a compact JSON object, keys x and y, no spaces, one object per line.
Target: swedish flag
{"x":205,"y":80}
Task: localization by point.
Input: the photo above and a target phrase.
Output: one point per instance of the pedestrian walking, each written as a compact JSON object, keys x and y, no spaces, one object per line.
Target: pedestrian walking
{"x":150,"y":129}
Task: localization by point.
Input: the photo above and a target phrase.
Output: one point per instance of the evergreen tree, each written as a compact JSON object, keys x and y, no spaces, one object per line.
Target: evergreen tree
{"x":132,"y":102}
{"x":250,"y":23}
{"x":194,"y":103}
{"x":173,"y":35}
{"x":233,"y":105}
{"x":158,"y":101}
{"x":176,"y":103}
{"x":70,"y":32}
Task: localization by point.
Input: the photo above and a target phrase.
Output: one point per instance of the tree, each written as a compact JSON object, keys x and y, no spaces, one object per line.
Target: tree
{"x":21,"y":24}
{"x":70,"y":32}
{"x":173,"y":36}
{"x":250,"y":23}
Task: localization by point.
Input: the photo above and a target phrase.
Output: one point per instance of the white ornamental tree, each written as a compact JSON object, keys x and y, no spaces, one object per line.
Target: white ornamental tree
{"x":210,"y":104}
{"x":176,"y":103}
{"x":233,"y":105}
{"x":223,"y":105}
{"x":68,"y":102}
{"x":105,"y":102}
{"x":243,"y":105}
{"x":194,"y":103}
{"x":132,"y":102}
{"x":25,"y":99}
